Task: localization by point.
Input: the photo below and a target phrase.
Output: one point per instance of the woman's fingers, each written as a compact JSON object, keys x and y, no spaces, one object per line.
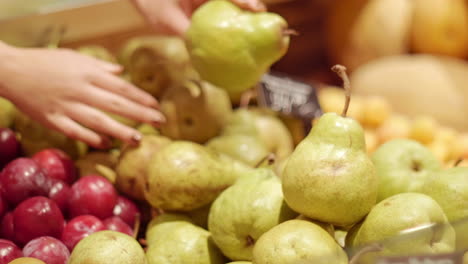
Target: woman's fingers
{"x":110,"y":102}
{"x":75,"y":131}
{"x":102,"y":123}
{"x":253,"y":5}
{"x":119,"y":86}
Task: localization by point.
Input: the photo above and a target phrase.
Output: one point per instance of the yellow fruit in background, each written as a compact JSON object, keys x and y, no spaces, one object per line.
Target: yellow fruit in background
{"x":423,"y":129}
{"x":417,"y":85}
{"x":440,"y":150}
{"x":376,"y":111}
{"x":440,"y":27}
{"x":359,"y":31}
{"x":396,"y":126}
{"x":332,"y":99}
{"x":372,"y":141}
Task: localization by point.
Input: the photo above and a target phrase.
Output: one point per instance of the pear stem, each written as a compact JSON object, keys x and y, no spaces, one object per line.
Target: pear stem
{"x":341,"y":71}
{"x":136,"y":226}
{"x":290,"y":32}
{"x":270,"y":159}
{"x":246,"y":98}
{"x":457,"y":162}
{"x":370,"y":248}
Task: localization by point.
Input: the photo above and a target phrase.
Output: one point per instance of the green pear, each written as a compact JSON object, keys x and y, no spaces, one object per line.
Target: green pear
{"x":107,"y":246}
{"x":132,"y":167}
{"x":402,"y":165}
{"x":326,"y":226}
{"x":329,"y":176}
{"x":271,"y":131}
{"x":35,"y":137}
{"x":298,"y":242}
{"x":147,"y":129}
{"x":185,"y":176}
{"x":200,"y":216}
{"x":239,"y":262}
{"x":183,"y":243}
{"x":98,"y":52}
{"x":405,"y":224}
{"x":232,"y":48}
{"x":7,"y":113}
{"x":164,"y":223}
{"x":245,"y":148}
{"x":100,"y":163}
{"x":246,"y":210}
{"x":154,"y":62}
{"x":26,"y":260}
{"x":450,"y":189}
{"x":195,"y":111}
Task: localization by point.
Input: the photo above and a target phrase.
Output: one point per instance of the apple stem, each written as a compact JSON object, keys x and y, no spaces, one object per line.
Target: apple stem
{"x":270,"y":159}
{"x":136,"y":226}
{"x":457,"y":162}
{"x":370,"y":248}
{"x":341,"y":71}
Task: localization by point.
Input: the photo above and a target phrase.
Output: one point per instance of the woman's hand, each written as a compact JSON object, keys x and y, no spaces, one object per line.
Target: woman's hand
{"x":173,"y":16}
{"x":68,"y":92}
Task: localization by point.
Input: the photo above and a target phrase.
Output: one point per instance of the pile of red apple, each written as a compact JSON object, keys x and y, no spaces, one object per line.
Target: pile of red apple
{"x":46,"y":209}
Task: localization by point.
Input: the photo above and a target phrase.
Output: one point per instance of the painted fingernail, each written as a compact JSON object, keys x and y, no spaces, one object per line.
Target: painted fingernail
{"x":136,"y":138}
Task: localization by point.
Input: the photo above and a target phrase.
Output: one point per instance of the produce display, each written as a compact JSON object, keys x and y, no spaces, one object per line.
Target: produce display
{"x":227,"y":180}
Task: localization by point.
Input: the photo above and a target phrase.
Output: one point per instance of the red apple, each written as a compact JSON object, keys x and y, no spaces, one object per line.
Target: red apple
{"x":48,"y":249}
{"x":57,"y":164}
{"x":23,"y":178}
{"x":126,"y":210}
{"x":8,"y":251}
{"x":79,"y":228}
{"x":117,"y":224}
{"x":35,"y":217}
{"x":93,"y":195}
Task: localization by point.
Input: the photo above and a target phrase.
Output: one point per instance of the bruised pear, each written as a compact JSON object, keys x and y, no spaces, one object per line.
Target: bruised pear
{"x":329,"y":177}
{"x":154,"y":62}
{"x":195,"y":111}
{"x":35,"y":137}
{"x":185,"y":176}
{"x":183,"y":243}
{"x":246,"y":210}
{"x":232,"y":48}
{"x":107,"y":246}
{"x":132,"y":167}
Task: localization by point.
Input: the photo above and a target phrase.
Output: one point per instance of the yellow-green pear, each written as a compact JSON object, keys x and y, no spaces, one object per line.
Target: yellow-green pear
{"x":163,"y":224}
{"x":26,"y":260}
{"x":449,"y":188}
{"x":246,"y":210}
{"x":232,"y":48}
{"x":402,"y":165}
{"x":329,"y":177}
{"x":239,"y":262}
{"x":185,"y":243}
{"x":153,"y":63}
{"x":242,"y":147}
{"x":132,"y":167}
{"x":98,"y":52}
{"x":108,"y":246}
{"x":195,"y":111}
{"x":184,"y":176}
{"x":7,"y":113}
{"x":406,"y":224}
{"x":326,"y":226}
{"x":35,"y":137}
{"x":298,"y":242}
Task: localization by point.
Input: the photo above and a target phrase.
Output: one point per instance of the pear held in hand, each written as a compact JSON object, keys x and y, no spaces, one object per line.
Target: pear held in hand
{"x":233,"y":48}
{"x":329,"y":176}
